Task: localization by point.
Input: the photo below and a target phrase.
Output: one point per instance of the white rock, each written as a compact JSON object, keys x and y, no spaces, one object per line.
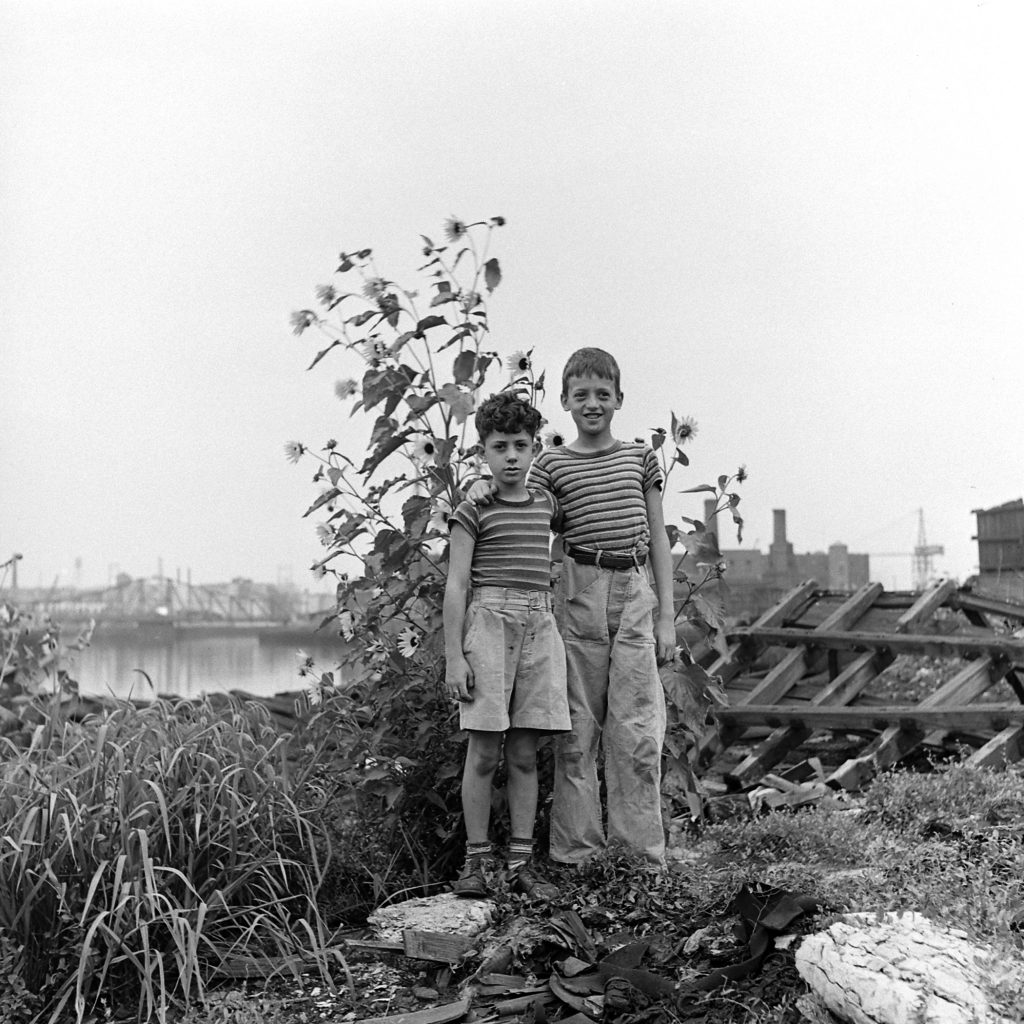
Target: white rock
{"x":445,"y":912}
{"x":898,"y":969}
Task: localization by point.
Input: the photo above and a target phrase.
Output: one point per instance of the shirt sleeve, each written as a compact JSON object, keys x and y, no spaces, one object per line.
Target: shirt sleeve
{"x":652,"y":471}
{"x":467,"y":515}
{"x":539,"y":475}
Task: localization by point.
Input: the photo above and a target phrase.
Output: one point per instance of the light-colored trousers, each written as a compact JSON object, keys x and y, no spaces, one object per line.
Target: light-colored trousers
{"x":617,"y":706}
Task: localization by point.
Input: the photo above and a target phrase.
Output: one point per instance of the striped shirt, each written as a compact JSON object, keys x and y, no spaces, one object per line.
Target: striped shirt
{"x":602,"y":494}
{"x":512,"y":541}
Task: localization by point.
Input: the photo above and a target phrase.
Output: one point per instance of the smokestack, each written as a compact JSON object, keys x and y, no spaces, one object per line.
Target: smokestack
{"x":779,"y":515}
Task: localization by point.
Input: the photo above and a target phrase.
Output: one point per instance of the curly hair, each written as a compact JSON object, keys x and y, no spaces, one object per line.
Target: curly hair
{"x":506,"y":413}
{"x":591,"y":362}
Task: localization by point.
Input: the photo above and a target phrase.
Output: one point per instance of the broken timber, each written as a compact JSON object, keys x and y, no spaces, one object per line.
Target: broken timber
{"x":807,"y":664}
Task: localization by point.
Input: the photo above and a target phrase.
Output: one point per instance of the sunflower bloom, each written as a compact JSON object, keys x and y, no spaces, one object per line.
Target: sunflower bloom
{"x":373,"y":350}
{"x":424,"y":450}
{"x":324,"y":533}
{"x":440,"y":513}
{"x":409,"y":641}
{"x":454,"y":229}
{"x":685,"y":430}
{"x":326,"y":293}
{"x":345,"y":388}
{"x":374,"y":288}
{"x":518,"y":364}
{"x":294,"y":450}
{"x":554,"y":439}
{"x":301,"y":319}
{"x":318,"y":571}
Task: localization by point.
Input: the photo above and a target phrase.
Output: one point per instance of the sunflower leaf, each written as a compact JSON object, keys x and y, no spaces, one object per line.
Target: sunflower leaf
{"x":492,"y":274}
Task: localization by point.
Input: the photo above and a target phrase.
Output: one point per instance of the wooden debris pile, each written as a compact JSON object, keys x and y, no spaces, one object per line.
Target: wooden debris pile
{"x":808,"y":667}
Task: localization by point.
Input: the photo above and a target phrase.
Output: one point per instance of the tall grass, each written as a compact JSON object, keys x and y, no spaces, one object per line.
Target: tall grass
{"x":143,"y":849}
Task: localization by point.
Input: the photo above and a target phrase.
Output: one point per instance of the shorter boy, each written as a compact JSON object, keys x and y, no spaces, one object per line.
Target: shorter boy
{"x":505,"y":662}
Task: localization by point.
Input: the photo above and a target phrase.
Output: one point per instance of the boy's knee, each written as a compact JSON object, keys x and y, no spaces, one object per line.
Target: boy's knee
{"x":523,"y":762}
{"x":482,"y":757}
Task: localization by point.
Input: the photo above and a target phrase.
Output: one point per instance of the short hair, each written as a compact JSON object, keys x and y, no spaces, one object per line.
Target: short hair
{"x":591,"y":362}
{"x":506,"y":413}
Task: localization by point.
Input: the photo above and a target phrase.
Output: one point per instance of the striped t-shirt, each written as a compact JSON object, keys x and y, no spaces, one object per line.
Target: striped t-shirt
{"x":512,"y":541}
{"x":602,"y":494}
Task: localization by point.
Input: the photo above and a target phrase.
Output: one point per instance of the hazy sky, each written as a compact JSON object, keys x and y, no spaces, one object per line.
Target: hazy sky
{"x":800,"y":223}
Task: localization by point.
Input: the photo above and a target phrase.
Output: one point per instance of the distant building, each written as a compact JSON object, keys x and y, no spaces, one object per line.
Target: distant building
{"x":755,"y":580}
{"x":1000,"y":540}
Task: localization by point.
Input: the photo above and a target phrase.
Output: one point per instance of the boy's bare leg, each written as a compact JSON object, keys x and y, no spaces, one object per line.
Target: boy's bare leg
{"x":521,"y":768}
{"x":482,"y":755}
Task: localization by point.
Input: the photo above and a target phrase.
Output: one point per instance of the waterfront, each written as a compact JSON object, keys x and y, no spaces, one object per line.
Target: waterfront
{"x":189,"y":663}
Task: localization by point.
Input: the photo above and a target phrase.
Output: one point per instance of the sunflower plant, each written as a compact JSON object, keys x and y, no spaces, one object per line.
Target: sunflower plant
{"x":416,"y":363}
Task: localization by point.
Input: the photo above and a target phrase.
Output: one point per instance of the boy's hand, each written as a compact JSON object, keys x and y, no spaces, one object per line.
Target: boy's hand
{"x":482,"y":492}
{"x":458,"y":680}
{"x":664,"y":640}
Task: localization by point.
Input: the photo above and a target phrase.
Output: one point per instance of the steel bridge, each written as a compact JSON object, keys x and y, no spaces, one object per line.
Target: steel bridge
{"x":157,"y":598}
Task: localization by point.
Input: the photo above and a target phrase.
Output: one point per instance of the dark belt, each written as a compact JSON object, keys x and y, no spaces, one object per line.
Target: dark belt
{"x":605,"y":559}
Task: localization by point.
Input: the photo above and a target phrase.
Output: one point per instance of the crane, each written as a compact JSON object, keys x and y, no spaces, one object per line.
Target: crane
{"x":921,"y":557}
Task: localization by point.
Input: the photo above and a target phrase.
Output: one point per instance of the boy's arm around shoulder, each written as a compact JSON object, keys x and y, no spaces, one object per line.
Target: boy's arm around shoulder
{"x":661,"y":565}
{"x":458,"y":676}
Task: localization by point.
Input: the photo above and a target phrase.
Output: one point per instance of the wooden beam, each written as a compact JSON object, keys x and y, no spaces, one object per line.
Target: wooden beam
{"x":1003,"y":749}
{"x":948,"y":646}
{"x":729,"y":665}
{"x":967,"y":601}
{"x":902,"y":717}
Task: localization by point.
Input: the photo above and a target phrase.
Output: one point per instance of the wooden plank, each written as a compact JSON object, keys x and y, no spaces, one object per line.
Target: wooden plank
{"x":847,"y":685}
{"x":441,"y":946}
{"x":788,"y":672}
{"x":729,"y":665}
{"x":909,"y":717}
{"x":1004,"y":748}
{"x":948,"y":646}
{"x":894,"y":744}
{"x":968,"y":601}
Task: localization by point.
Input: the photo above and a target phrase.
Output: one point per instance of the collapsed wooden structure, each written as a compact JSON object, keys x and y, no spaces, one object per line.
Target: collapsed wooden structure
{"x":806,"y":666}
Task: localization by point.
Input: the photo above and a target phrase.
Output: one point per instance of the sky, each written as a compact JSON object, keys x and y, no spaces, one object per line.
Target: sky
{"x":799,"y":223}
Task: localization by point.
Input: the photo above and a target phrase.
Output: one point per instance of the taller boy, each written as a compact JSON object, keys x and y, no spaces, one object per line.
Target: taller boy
{"x":616,"y":628}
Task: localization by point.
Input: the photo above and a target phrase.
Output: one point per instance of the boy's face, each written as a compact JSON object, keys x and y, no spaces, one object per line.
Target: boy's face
{"x":592,"y":402}
{"x":508,"y":456}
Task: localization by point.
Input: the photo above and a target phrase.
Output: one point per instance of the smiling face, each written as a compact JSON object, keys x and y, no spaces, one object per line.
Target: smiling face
{"x":508,"y":456}
{"x":592,"y":402}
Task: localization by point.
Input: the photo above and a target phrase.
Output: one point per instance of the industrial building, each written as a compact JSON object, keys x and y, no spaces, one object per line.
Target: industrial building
{"x":756,"y":579}
{"x":1000,"y":540}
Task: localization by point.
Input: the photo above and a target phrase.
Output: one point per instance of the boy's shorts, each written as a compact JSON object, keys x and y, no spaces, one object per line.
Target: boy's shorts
{"x":514,"y":649}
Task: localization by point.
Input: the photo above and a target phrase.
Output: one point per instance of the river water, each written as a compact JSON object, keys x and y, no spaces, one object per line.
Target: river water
{"x":190,"y":662}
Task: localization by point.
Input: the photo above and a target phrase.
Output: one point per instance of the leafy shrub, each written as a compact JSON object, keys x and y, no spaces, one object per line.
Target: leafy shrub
{"x":143,"y":848}
{"x":34,"y":657}
{"x":831,"y":836}
{"x":956,"y":795}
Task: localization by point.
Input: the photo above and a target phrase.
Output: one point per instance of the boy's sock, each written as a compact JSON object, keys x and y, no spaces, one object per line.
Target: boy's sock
{"x":520,"y":850}
{"x":474,"y":850}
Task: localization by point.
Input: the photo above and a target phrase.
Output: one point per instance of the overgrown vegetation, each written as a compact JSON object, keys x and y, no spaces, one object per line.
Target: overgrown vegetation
{"x":145,"y":849}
